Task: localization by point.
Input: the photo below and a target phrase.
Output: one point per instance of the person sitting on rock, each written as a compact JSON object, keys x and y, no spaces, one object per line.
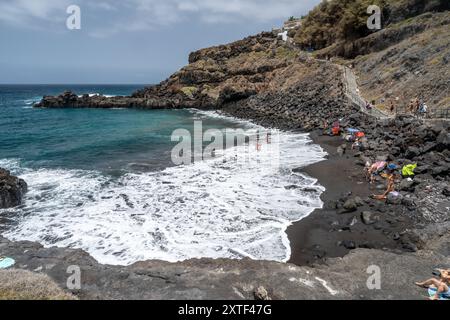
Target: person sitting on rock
{"x":390,"y":188}
{"x":441,"y":285}
{"x":391,"y":176}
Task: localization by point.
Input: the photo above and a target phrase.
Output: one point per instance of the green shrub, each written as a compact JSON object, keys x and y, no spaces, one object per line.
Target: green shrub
{"x":189,"y":91}
{"x":346,"y":20}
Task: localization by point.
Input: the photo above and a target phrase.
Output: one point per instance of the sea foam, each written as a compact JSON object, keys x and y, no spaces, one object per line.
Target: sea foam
{"x":217,"y":208}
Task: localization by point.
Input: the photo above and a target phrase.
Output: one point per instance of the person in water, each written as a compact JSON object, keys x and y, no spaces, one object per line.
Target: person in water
{"x":441,"y":285}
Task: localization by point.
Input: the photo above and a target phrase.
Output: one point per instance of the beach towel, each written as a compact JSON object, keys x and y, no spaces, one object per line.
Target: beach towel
{"x":392,"y":167}
{"x":6,"y":262}
{"x":380,"y":165}
{"x":444,"y":296}
{"x":408,"y":170}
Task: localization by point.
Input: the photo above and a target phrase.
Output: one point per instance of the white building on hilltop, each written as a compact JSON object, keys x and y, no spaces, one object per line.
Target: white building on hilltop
{"x":287,"y":26}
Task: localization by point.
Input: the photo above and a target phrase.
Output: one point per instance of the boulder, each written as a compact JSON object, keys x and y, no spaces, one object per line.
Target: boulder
{"x":422,"y":169}
{"x":12,"y":190}
{"x":349,"y":245}
{"x":443,"y":140}
{"x":409,"y":202}
{"x":407,"y":185}
{"x":369,"y":218}
{"x":412,"y":152}
{"x":394,"y":198}
{"x":352,"y":205}
{"x":440,"y":170}
{"x":261,"y":294}
{"x":446,"y":191}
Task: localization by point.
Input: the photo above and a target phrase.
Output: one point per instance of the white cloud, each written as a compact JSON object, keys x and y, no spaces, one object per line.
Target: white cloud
{"x":25,"y":12}
{"x":261,"y":10}
{"x":135,"y":15}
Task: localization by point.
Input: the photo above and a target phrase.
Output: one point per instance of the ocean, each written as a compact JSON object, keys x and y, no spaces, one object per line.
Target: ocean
{"x":103,"y":181}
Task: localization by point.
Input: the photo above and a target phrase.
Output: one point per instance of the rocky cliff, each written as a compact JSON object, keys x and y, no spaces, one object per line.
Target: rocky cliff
{"x":261,"y":67}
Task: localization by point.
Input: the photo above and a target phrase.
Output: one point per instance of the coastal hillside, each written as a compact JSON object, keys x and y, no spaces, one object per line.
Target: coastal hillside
{"x":218,"y":77}
{"x":407,"y":59}
{"x":416,"y":67}
{"x":339,"y":23}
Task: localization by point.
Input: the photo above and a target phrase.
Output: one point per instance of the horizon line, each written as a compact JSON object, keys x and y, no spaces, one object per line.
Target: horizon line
{"x":76,"y":84}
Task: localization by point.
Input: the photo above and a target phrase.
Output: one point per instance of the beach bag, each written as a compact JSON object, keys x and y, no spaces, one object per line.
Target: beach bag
{"x":336,"y":131}
{"x":349,"y":138}
{"x":408,"y":171}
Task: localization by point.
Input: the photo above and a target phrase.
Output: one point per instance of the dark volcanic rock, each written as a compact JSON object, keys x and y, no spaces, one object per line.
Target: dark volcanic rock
{"x":349,"y":245}
{"x":446,"y":191}
{"x":352,"y":205}
{"x":369,"y":218}
{"x":343,"y":278}
{"x":407,"y":185}
{"x":12,"y":190}
{"x":394,"y":199}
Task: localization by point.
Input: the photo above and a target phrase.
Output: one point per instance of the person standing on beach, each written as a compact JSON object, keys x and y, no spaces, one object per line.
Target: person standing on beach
{"x":392,"y":107}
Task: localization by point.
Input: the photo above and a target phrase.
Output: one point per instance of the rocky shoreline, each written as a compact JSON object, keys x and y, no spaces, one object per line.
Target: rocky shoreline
{"x":338,"y":279}
{"x":351,"y":233}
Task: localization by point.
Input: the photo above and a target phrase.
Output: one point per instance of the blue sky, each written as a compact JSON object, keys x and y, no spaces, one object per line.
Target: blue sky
{"x":124,"y":41}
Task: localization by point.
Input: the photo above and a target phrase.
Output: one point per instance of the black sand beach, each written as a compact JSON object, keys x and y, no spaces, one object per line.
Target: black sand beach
{"x":328,"y":234}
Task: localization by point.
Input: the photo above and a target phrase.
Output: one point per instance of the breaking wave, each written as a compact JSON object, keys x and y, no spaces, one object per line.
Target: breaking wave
{"x":217,"y":208}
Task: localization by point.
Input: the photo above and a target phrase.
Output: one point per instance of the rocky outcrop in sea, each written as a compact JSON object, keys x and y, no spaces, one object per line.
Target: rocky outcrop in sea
{"x":12,"y":190}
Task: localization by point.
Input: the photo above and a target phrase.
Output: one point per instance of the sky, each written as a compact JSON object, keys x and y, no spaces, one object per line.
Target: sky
{"x":124,"y":41}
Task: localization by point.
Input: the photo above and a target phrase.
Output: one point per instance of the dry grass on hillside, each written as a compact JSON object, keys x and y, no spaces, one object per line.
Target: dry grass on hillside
{"x":25,"y":285}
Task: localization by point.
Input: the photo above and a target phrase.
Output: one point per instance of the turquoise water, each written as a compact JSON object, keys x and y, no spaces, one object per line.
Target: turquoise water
{"x":112,"y":141}
{"x":103,"y":181}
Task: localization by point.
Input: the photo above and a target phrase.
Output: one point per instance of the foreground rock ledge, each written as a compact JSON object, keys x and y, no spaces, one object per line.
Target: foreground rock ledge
{"x":12,"y":190}
{"x":343,"y":278}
